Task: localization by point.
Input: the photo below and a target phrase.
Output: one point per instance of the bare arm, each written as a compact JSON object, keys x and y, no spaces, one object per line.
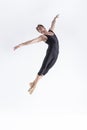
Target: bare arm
{"x":53,"y":23}
{"x":38,"y":39}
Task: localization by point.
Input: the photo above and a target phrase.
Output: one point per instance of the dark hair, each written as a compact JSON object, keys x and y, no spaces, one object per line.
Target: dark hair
{"x":39,"y":25}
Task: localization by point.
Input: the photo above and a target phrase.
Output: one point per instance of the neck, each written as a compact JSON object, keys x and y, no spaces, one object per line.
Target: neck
{"x":45,"y":32}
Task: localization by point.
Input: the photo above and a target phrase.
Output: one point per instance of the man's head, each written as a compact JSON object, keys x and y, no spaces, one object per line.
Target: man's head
{"x":40,"y":28}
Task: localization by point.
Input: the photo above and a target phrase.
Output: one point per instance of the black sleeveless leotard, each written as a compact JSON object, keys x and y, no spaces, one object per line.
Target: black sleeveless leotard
{"x":51,"y":54}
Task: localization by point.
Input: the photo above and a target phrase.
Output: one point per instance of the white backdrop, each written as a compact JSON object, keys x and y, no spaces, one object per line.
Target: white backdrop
{"x":60,"y":99}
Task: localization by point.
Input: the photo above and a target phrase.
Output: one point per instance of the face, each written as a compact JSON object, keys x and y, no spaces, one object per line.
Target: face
{"x":41,"y":29}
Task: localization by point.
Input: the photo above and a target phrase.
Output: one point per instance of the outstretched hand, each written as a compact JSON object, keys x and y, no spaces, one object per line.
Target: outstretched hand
{"x":56,"y":16}
{"x":16,"y":47}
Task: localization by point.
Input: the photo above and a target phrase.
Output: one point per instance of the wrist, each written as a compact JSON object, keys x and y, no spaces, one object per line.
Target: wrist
{"x":21,"y":44}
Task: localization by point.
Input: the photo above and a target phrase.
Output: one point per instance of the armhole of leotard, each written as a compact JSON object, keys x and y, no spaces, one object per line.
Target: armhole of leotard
{"x":47,"y":38}
{"x":50,"y":30}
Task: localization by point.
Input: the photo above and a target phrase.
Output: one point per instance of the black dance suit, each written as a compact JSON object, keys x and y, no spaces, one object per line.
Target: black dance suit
{"x":51,"y":54}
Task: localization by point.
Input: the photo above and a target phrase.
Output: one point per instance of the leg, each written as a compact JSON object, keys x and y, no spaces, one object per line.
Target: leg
{"x":34,"y":83}
{"x":45,"y":63}
{"x":49,"y":65}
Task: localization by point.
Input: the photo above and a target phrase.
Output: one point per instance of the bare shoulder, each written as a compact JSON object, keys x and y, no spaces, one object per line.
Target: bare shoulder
{"x":43,"y":37}
{"x":51,"y":29}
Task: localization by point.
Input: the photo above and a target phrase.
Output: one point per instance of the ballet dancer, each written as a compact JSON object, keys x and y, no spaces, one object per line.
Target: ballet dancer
{"x":52,"y":52}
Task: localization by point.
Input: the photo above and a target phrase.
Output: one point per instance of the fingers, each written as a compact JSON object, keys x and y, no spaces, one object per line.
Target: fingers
{"x":57,"y":16}
{"x":16,"y":47}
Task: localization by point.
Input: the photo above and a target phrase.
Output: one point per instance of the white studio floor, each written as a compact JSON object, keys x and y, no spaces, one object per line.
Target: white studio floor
{"x":60,"y":100}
